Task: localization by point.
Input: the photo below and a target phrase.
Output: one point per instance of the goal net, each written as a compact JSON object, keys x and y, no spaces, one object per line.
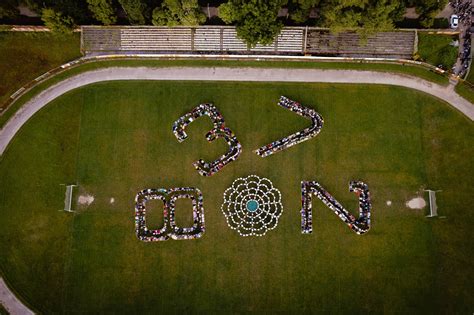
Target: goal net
{"x":433,"y":206}
{"x":68,"y":198}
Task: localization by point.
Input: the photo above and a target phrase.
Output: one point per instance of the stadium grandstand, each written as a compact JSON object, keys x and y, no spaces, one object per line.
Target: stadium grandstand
{"x":99,"y":40}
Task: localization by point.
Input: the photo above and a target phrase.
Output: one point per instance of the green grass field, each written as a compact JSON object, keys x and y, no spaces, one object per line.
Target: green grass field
{"x":3,"y":311}
{"x":115,"y":138}
{"x":436,"y":49}
{"x":27,"y":55}
{"x":470,"y":77}
{"x":466,"y":91}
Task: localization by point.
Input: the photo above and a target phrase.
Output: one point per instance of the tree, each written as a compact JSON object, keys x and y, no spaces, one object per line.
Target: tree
{"x":75,"y":9}
{"x":103,"y":11}
{"x":367,"y":16}
{"x":136,"y":11}
{"x":178,"y":12}
{"x":428,"y":9}
{"x":8,"y":9}
{"x":380,"y":15}
{"x":57,"y":22}
{"x":256,"y":20}
{"x":300,"y":9}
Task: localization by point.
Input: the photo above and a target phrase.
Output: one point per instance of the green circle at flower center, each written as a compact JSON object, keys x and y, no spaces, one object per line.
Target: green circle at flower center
{"x":252,"y":205}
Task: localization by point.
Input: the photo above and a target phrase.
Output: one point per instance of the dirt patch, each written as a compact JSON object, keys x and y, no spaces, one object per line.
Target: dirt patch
{"x":416,"y":203}
{"x":85,"y":200}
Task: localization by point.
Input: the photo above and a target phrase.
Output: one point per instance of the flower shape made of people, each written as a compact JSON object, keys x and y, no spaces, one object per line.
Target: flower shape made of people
{"x":252,"y":206}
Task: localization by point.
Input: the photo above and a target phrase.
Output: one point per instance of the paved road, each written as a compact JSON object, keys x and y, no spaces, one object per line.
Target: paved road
{"x":445,"y":93}
{"x":11,"y":303}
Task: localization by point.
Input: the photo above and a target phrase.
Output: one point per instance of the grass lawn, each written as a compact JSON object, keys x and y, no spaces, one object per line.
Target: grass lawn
{"x":26,"y":55}
{"x":115,"y":138}
{"x":436,"y":49}
{"x":466,"y":91}
{"x":470,"y":77}
{"x":3,"y":310}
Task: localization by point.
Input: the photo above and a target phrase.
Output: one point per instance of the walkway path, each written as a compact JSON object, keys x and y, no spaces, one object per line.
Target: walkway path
{"x":10,"y":302}
{"x":445,"y":93}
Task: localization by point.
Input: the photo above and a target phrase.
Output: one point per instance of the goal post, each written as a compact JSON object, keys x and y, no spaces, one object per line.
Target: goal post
{"x":433,"y":205}
{"x":68,"y":198}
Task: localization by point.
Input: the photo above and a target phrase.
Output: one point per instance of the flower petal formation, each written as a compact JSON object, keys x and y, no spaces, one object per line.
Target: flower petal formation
{"x":252,"y":206}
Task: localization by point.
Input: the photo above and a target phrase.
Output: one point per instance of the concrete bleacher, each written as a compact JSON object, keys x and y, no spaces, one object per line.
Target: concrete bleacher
{"x":155,"y":39}
{"x":350,"y":44}
{"x":291,"y":40}
{"x":230,"y":41}
{"x":100,"y":39}
{"x":224,"y":40}
{"x":207,"y":39}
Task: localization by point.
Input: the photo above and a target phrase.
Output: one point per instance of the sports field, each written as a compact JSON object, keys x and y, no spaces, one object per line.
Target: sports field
{"x":114,"y":139}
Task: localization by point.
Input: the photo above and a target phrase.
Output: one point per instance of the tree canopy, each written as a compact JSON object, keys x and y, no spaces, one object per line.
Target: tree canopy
{"x":368,"y":16}
{"x":300,"y":9}
{"x":136,"y":11}
{"x":256,"y":21}
{"x":178,"y":12}
{"x":57,"y":22}
{"x":428,"y":9}
{"x":103,"y":11}
{"x":8,"y":9}
{"x":75,"y":9}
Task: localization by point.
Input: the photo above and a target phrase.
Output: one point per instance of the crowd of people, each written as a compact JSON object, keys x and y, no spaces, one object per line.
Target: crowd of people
{"x":463,"y":9}
{"x":210,"y":110}
{"x":465,"y":55}
{"x":198,"y":227}
{"x":169,"y":229}
{"x":300,"y":136}
{"x":265,"y":213}
{"x":310,"y":188}
{"x":219,"y":131}
{"x":235,"y":148}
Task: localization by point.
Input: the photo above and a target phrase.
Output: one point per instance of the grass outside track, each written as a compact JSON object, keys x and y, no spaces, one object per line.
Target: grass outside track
{"x":466,"y":91}
{"x":436,"y":49}
{"x":395,"y":139}
{"x":470,"y":77}
{"x":3,"y":310}
{"x":393,"y":68}
{"x":27,"y":55}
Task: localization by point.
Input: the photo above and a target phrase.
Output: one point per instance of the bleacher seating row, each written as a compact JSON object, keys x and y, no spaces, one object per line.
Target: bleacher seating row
{"x":155,"y":39}
{"x":100,"y":39}
{"x":219,"y":39}
{"x":350,"y":44}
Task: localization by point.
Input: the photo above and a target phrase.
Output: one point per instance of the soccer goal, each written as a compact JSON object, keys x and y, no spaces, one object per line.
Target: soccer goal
{"x":68,"y":198}
{"x":433,"y":205}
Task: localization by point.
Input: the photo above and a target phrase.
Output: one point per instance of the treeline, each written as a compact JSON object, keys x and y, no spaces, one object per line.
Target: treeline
{"x":256,"y":21}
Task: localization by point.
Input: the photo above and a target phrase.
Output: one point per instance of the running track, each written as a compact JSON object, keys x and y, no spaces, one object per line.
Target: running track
{"x":445,"y":93}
